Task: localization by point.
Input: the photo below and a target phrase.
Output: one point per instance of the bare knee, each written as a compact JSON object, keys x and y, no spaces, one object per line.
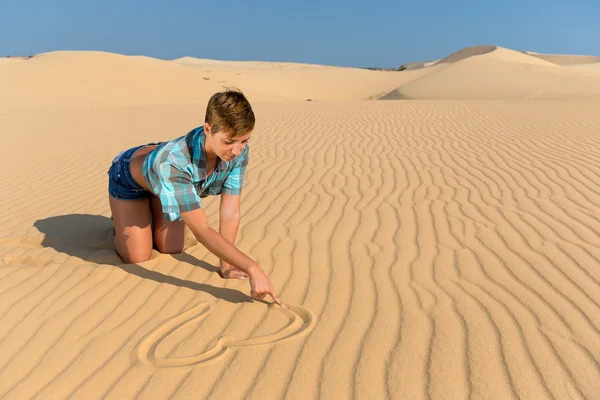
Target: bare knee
{"x":169,"y":248}
{"x":134,"y":259}
{"x":134,"y":256}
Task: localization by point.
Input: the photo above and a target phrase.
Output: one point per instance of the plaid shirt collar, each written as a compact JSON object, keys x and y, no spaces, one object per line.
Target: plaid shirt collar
{"x":200,"y":145}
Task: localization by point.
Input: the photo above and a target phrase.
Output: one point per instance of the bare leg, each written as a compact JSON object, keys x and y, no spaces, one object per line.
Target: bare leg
{"x":169,"y":236}
{"x":133,"y":234}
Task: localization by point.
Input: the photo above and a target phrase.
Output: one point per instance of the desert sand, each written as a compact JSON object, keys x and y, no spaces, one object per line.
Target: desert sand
{"x":435,"y":232}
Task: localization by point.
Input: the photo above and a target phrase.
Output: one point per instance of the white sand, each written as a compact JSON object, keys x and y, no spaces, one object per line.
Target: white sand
{"x":437,"y":248}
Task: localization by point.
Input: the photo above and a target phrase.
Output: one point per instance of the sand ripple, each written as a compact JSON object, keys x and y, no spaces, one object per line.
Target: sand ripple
{"x":435,"y":250}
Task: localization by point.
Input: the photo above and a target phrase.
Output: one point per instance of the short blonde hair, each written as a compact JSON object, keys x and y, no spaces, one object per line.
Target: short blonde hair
{"x":231,"y":112}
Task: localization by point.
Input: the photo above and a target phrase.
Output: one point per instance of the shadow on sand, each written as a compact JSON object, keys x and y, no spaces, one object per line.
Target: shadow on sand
{"x":90,"y":237}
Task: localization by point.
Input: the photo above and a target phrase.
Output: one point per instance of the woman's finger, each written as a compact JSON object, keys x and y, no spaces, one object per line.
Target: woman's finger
{"x":274,"y":296}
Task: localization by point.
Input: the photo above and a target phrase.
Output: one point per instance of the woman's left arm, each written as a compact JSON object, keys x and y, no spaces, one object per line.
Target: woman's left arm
{"x":229,"y":222}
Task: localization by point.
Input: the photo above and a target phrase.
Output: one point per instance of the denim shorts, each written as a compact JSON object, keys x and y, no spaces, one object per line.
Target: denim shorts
{"x":121,"y":184}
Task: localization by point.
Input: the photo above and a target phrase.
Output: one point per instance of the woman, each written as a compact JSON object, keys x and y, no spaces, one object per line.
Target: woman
{"x":156,"y":189}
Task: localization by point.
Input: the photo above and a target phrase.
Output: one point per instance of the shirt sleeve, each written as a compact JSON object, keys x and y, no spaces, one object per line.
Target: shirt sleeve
{"x":235,"y":180}
{"x":176,"y":191}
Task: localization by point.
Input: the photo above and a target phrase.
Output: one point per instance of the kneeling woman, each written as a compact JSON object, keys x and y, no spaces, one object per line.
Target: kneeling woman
{"x":155,"y":191}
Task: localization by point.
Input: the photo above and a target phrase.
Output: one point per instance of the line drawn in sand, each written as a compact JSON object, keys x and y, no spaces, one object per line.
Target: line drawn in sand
{"x":301,"y":322}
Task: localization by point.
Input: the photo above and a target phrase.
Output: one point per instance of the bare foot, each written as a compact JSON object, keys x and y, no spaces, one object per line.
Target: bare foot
{"x":233,"y":273}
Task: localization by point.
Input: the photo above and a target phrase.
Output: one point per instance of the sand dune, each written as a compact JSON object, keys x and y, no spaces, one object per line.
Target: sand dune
{"x":486,"y":73}
{"x":592,"y":66}
{"x":567,"y":59}
{"x":11,"y":60}
{"x":204,"y":62}
{"x":303,"y":81}
{"x":87,"y":79}
{"x":425,"y":249}
{"x":473,"y":51}
{"x":466,"y":53}
{"x":98,"y":79}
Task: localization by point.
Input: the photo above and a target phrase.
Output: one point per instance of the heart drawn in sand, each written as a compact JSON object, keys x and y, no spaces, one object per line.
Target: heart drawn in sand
{"x":301,"y":322}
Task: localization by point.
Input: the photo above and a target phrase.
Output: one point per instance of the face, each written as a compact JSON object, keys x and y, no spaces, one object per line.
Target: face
{"x":225,"y":147}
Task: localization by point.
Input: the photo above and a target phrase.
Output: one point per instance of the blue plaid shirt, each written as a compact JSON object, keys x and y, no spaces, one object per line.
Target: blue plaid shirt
{"x":176,"y":172}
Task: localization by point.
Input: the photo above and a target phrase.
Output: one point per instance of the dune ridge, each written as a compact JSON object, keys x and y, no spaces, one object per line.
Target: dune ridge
{"x":496,"y":73}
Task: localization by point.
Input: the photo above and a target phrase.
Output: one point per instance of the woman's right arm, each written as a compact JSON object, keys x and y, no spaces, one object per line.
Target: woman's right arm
{"x":260,"y":285}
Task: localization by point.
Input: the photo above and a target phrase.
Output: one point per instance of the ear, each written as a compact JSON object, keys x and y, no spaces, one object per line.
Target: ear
{"x":207,"y":128}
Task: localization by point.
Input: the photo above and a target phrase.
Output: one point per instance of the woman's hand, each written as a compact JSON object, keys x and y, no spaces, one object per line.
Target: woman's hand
{"x":260,"y":286}
{"x":230,"y":272}
{"x":221,"y":247}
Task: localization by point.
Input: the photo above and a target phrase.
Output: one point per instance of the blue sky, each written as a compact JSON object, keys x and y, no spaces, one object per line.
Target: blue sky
{"x":349,"y":33}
